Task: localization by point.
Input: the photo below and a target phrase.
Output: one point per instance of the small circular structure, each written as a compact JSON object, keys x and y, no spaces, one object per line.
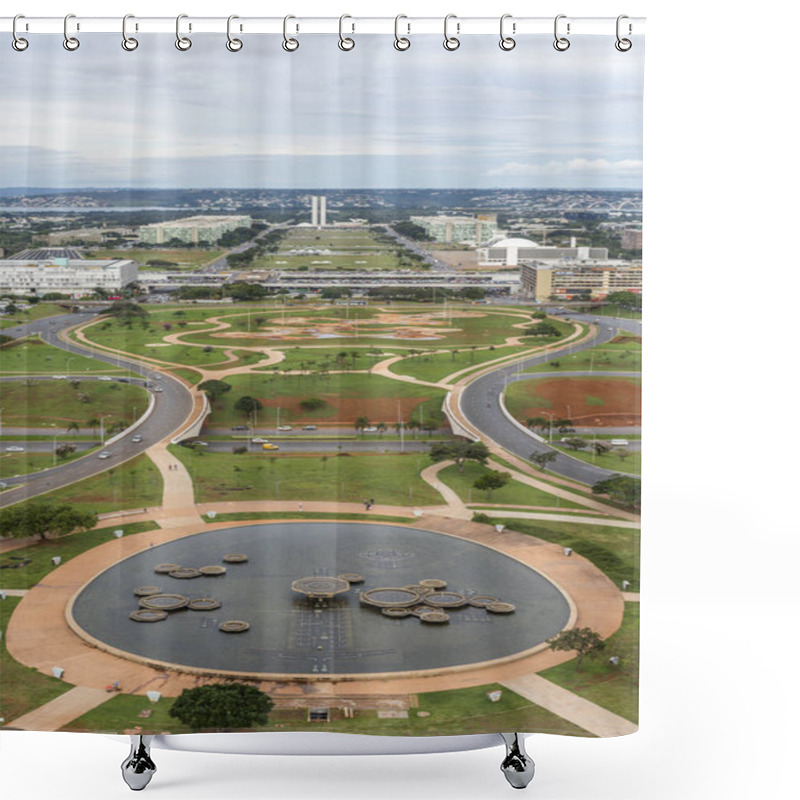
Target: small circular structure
{"x":433,"y":583}
{"x":482,"y":600}
{"x":148,"y":615}
{"x":434,"y":616}
{"x":397,"y":613}
{"x":351,"y":577}
{"x":419,"y":589}
{"x":214,"y":569}
{"x":234,"y":626}
{"x":320,"y":587}
{"x":146,"y":591}
{"x":185,"y":573}
{"x":390,"y":597}
{"x":418,"y":611}
{"x":165,"y":569}
{"x":164,"y":602}
{"x":204,"y":604}
{"x":501,"y":608}
{"x":446,"y":599}
{"x":235,"y":558}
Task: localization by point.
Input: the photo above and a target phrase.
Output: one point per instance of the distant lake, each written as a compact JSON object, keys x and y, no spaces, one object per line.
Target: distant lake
{"x":80,"y":209}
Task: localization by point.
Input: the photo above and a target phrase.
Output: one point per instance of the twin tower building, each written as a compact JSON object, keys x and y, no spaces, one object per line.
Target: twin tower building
{"x":319,"y":210}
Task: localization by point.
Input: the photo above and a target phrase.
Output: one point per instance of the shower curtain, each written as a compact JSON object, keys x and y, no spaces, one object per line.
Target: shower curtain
{"x":321,"y":382}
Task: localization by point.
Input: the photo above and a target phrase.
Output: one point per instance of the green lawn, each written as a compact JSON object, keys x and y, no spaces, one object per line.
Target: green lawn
{"x":42,"y":403}
{"x":35,"y":312}
{"x":22,"y":688}
{"x":631,"y":464}
{"x":613,"y":688}
{"x":346,"y":396}
{"x":389,"y":479}
{"x":67,"y":547}
{"x":613,"y":550}
{"x":432,"y":366}
{"x":32,"y":356}
{"x":608,"y":358}
{"x":135,"y":484}
{"x":513,"y":493}
{"x":313,"y":359}
{"x":458,"y":711}
{"x":13,"y":464}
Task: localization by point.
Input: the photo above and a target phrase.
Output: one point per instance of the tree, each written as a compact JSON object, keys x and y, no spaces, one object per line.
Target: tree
{"x":543,"y":459}
{"x":42,"y":519}
{"x":489,"y":481}
{"x":574,"y":443}
{"x":361,"y":423}
{"x":247,"y":405}
{"x":382,"y":428}
{"x":622,"y":453}
{"x":64,"y":449}
{"x":543,"y":329}
{"x":622,"y":488}
{"x":460,"y":452}
{"x":227,"y":706}
{"x":312,"y":403}
{"x":214,"y":388}
{"x":539,"y":315}
{"x":584,"y":641}
{"x":93,"y":423}
{"x":601,"y":448}
{"x":73,"y":426}
{"x":537,"y":422}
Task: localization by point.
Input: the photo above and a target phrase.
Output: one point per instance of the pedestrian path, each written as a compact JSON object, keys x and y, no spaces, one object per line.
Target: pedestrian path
{"x":575,"y":709}
{"x":177,"y":504}
{"x":65,"y":708}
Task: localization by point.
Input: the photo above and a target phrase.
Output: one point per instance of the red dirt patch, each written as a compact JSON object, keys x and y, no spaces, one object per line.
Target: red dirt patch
{"x":568,"y":399}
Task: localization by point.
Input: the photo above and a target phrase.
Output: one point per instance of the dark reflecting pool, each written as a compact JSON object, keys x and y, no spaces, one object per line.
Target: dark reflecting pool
{"x":293,"y":634}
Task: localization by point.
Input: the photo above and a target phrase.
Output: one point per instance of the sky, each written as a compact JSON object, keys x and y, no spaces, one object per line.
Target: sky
{"x":369,"y":118}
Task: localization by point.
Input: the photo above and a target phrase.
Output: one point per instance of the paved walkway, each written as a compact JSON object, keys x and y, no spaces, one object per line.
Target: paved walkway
{"x":14,"y":592}
{"x":57,"y":713}
{"x":177,"y":504}
{"x":571,"y":707}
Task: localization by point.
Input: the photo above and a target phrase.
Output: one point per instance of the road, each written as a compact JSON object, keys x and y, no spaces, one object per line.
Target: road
{"x":480,"y":403}
{"x":172,"y":407}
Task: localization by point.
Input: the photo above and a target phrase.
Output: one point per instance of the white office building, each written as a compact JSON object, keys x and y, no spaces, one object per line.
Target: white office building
{"x":319,"y":210}
{"x":193,"y":230}
{"x":503,"y":252}
{"x":75,"y":277}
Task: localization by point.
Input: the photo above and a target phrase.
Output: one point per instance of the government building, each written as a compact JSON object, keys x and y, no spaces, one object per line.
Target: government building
{"x":542,"y":281}
{"x":459,"y":230}
{"x":74,"y":277}
{"x":502,"y":252}
{"x":192,"y":230}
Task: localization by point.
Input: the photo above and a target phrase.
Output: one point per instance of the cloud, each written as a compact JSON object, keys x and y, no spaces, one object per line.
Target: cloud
{"x":516,"y":169}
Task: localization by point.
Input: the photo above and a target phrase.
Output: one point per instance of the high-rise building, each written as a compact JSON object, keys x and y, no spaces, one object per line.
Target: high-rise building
{"x":319,"y":210}
{"x":314,"y":210}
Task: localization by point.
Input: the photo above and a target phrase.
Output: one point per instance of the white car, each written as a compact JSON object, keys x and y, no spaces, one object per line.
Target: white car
{"x":105,"y":378}
{"x":370,"y":429}
{"x":15,"y":449}
{"x":259,"y":440}
{"x":104,"y":454}
{"x":136,"y":438}
{"x":284,"y":427}
{"x":158,"y":389}
{"x":59,"y":377}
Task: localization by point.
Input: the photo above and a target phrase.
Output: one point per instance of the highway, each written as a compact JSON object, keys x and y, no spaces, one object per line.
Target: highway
{"x":172,"y":407}
{"x":480,"y":403}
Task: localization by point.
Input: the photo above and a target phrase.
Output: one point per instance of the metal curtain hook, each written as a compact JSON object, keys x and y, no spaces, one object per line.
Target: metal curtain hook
{"x":181,"y":42}
{"x":561,"y":43}
{"x":345,"y":42}
{"x":234,"y":45}
{"x":623,"y":45}
{"x":128,"y":42}
{"x":506,"y":42}
{"x":401,"y":42}
{"x":451,"y":42}
{"x":289,"y":45}
{"x":70,"y":42}
{"x":18,"y":43}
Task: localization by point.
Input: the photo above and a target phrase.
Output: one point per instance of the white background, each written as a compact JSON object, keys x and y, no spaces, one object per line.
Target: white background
{"x":719,"y":698}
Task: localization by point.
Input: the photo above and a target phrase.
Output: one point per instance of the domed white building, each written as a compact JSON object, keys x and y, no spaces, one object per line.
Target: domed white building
{"x":508,"y":252}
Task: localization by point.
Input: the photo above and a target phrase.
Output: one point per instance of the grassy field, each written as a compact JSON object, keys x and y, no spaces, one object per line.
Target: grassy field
{"x":58,"y":403}
{"x":32,"y":356}
{"x":623,"y":357}
{"x":389,"y":479}
{"x":346,"y":397}
{"x":614,"y":551}
{"x":135,"y":484}
{"x":184,"y":257}
{"x":631,"y":464}
{"x":37,"y":311}
{"x":458,"y":711}
{"x":513,"y":493}
{"x":613,"y":688}
{"x":313,"y":359}
{"x":13,"y":464}
{"x":22,"y":688}
{"x":433,"y":366}
{"x":66,"y":546}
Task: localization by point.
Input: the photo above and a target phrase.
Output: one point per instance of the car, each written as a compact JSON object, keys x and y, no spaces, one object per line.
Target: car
{"x":259,"y":440}
{"x":124,"y":380}
{"x":136,"y":438}
{"x":566,"y":430}
{"x":370,"y":429}
{"x":158,"y":377}
{"x":240,"y":427}
{"x":105,"y":378}
{"x":284,"y":427}
{"x":270,"y":446}
{"x":15,"y":449}
{"x":158,"y":389}
{"x":104,"y":454}
{"x":59,"y":377}
{"x":200,"y":444}
{"x":309,"y":427}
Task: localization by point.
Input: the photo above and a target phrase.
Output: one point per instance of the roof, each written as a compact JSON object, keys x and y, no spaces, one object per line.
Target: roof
{"x":511,"y":243}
